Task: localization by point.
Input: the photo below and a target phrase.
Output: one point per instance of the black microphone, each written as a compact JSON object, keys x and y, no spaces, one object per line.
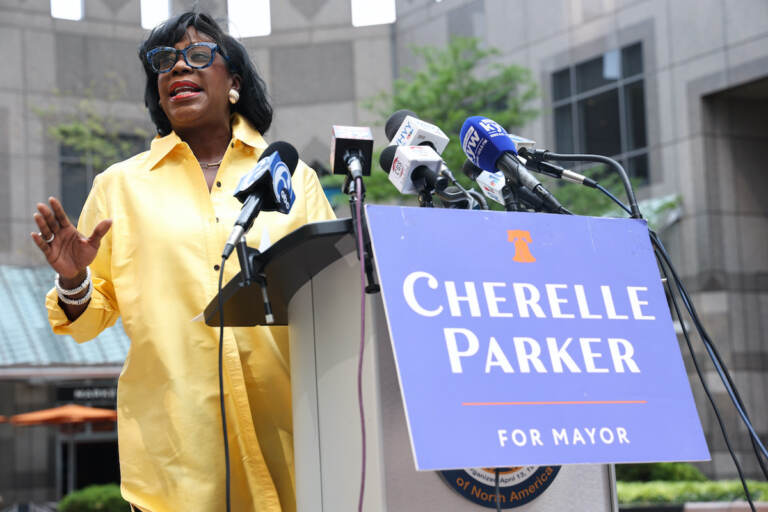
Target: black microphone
{"x":534,"y":160}
{"x":351,"y":150}
{"x":266,"y":187}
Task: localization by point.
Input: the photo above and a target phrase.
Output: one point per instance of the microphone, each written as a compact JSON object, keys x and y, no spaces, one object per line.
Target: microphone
{"x":266,"y":187}
{"x":413,"y":169}
{"x":493,"y":183}
{"x":351,"y":150}
{"x":404,"y":128}
{"x":533,"y":160}
{"x":488,"y":145}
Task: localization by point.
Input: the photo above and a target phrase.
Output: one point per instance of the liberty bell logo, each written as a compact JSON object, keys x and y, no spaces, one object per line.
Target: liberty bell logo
{"x":521,"y":239}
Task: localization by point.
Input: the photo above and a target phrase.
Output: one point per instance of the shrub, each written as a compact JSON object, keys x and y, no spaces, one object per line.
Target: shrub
{"x":682,"y":492}
{"x":95,"y":498}
{"x":669,"y":471}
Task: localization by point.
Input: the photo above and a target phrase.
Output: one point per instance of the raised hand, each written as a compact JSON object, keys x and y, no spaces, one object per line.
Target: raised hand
{"x":65,"y":248}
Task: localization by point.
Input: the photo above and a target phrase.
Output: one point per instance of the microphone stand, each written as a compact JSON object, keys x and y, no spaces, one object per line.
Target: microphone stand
{"x":425,"y":199}
{"x":511,"y":201}
{"x":349,"y":188}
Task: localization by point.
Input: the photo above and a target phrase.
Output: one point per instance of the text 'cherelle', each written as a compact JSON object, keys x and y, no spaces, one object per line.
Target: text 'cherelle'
{"x":428,"y":297}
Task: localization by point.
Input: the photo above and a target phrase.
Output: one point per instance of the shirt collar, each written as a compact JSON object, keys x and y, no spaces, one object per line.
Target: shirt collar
{"x":242,"y":130}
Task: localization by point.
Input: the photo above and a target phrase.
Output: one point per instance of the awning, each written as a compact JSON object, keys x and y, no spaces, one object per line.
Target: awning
{"x":70,"y":413}
{"x":28,"y":346}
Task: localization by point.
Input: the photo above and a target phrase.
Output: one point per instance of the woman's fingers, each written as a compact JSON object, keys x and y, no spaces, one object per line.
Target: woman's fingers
{"x":42,"y":226}
{"x":59,"y":212}
{"x":49,"y":218}
{"x":99,"y":231}
{"x":40,"y":243}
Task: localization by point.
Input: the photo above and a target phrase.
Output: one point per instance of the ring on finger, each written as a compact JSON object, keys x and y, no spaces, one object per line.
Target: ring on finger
{"x":47,"y":240}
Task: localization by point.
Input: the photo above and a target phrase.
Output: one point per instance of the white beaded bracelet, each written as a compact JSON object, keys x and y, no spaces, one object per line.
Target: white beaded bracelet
{"x":74,"y":291}
{"x":82,"y":300}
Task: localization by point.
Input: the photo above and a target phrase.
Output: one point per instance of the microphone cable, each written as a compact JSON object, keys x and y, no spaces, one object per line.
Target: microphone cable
{"x":361,"y":257}
{"x":634,"y":209}
{"x":703,"y":382}
{"x":722,"y":371}
{"x":221,"y":385}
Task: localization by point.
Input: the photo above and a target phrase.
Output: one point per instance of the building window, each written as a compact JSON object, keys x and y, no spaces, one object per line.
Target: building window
{"x":599,"y":107}
{"x":249,"y":18}
{"x":67,"y":9}
{"x":154,"y":12}
{"x":78,"y":170}
{"x":365,"y":12}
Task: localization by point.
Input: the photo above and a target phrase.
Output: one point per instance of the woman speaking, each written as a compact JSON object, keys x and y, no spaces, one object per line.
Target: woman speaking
{"x":147,"y":248}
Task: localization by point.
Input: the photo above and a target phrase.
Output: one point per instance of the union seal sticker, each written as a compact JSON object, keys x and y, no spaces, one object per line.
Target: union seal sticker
{"x":518,"y":485}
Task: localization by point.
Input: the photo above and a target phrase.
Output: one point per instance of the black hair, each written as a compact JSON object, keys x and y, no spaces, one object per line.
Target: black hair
{"x":253,"y":103}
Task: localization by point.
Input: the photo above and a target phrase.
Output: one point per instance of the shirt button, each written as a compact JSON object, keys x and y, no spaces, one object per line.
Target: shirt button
{"x":218,"y":184}
{"x":216,"y":267}
{"x":217,"y":219}
{"x":232,"y":145}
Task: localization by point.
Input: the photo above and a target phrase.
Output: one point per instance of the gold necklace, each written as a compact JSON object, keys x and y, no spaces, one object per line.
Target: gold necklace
{"x":213,"y":164}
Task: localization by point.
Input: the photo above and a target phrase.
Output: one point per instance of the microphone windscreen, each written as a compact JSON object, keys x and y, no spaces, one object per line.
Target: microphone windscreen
{"x":287,"y":152}
{"x":471,"y":170}
{"x":484,"y":141}
{"x":387,"y":157}
{"x":394,"y":122}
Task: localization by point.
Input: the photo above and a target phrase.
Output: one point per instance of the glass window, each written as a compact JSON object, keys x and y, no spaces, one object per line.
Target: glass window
{"x":595,"y":73}
{"x":365,"y":12}
{"x":603,"y":111}
{"x":154,"y":12}
{"x":67,"y":9}
{"x":634,"y":108}
{"x":599,"y":123}
{"x":249,"y":18}
{"x":78,"y":171}
{"x":632,"y":60}
{"x":561,"y":84}
{"x":74,"y":188}
{"x":564,"y":129}
{"x":638,"y":168}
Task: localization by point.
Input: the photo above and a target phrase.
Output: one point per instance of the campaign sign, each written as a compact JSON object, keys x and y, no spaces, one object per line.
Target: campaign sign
{"x":531,"y":339}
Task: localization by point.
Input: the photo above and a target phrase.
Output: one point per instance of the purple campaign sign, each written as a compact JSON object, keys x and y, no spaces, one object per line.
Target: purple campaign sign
{"x":531,"y":339}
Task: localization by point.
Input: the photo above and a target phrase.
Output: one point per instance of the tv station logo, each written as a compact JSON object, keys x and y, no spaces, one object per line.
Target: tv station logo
{"x":397,"y":168}
{"x":517,"y":485}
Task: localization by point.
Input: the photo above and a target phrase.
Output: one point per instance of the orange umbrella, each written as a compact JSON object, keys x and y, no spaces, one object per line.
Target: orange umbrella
{"x":66,"y":414}
{"x":70,"y":413}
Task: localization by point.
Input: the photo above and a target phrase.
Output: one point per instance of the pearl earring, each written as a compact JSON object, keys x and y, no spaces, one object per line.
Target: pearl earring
{"x":234,"y":96}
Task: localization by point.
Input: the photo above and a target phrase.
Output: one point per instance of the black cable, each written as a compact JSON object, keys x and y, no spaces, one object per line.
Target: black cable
{"x":703,"y":381}
{"x":720,"y":367}
{"x":221,"y":383}
{"x":613,"y":198}
{"x":712,"y":351}
{"x":635,"y":210}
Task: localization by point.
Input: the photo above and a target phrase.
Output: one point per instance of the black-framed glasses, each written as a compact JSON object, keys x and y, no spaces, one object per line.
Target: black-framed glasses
{"x":197,"y":55}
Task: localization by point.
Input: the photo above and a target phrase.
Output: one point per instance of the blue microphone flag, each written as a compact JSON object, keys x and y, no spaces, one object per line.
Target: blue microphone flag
{"x":281,"y":183}
{"x":484,"y":141}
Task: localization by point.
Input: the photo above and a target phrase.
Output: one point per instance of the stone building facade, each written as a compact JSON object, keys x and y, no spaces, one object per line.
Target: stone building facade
{"x":677,"y":89}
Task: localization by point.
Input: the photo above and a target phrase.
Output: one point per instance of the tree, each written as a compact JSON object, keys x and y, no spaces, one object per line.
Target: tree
{"x":91,"y":139}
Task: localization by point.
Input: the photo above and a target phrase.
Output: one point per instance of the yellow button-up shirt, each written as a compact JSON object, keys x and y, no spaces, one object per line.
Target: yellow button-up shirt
{"x":157,"y":268}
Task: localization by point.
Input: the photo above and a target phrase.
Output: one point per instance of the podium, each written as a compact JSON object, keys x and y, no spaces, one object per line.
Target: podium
{"x":313,"y":281}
